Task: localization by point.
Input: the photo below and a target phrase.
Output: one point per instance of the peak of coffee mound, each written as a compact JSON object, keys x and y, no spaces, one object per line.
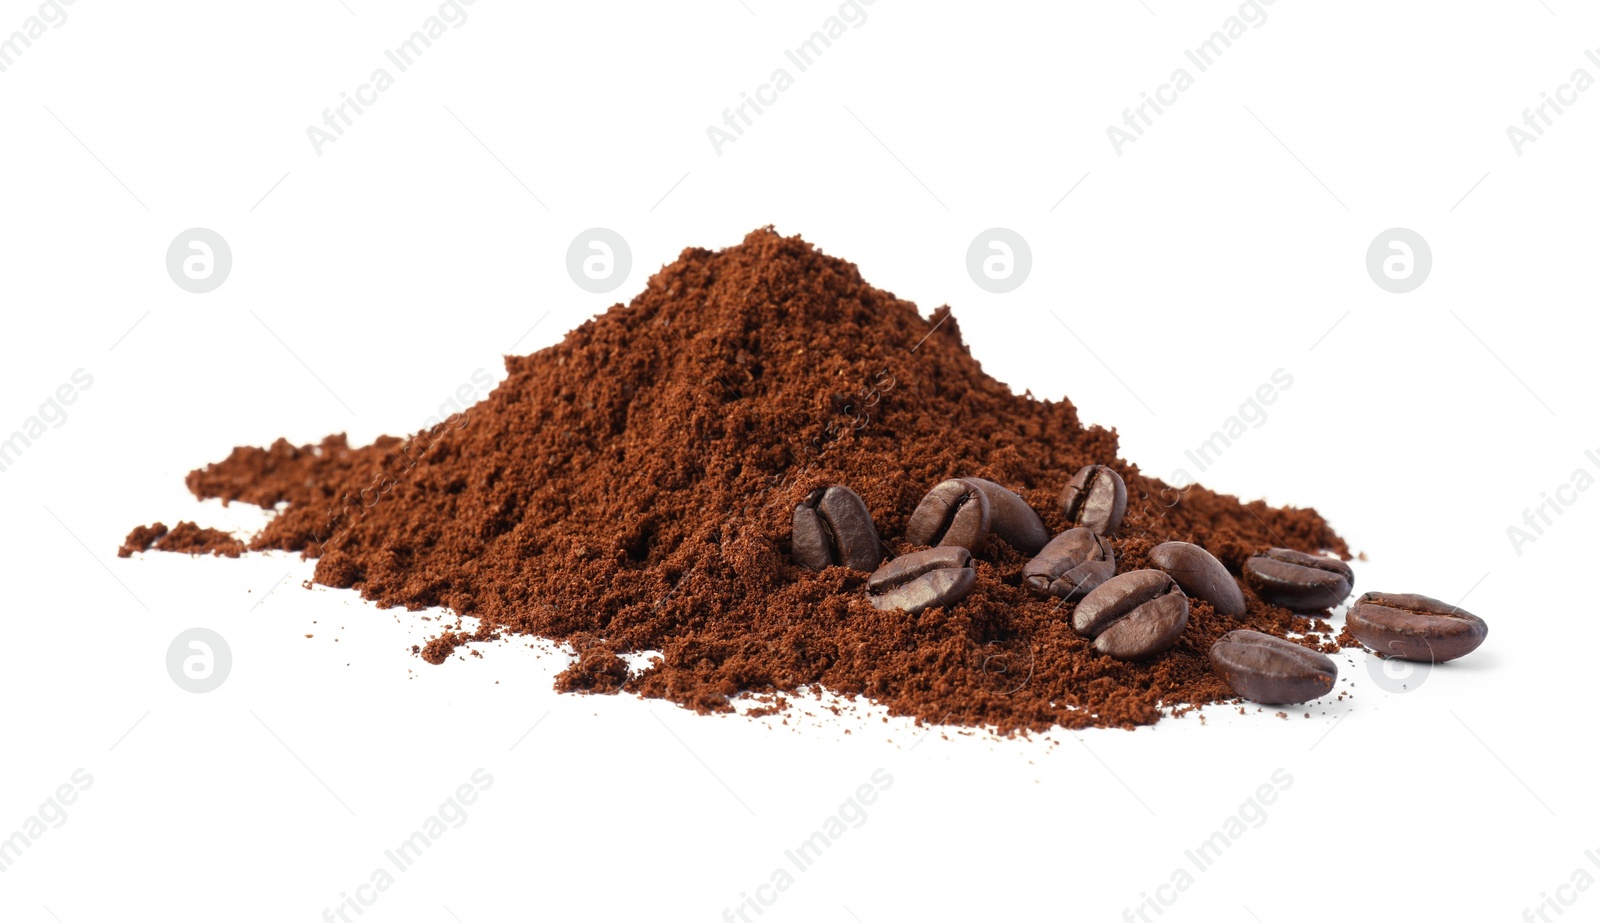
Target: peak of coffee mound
{"x":631,"y":489}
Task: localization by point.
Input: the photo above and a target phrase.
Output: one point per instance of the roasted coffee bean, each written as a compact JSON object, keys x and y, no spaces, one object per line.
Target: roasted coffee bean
{"x":1011,"y":518}
{"x":1201,"y":576}
{"x":832,"y":526}
{"x":954,"y":512}
{"x":1075,"y":562}
{"x":1133,"y":616}
{"x":1095,"y":499}
{"x":941,"y":576}
{"x":1299,"y":581}
{"x":1267,"y":669}
{"x":1414,"y":627}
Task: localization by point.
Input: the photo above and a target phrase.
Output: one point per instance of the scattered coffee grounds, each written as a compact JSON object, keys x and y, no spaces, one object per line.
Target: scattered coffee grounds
{"x":186,"y":537}
{"x":141,"y":538}
{"x":633,"y":488}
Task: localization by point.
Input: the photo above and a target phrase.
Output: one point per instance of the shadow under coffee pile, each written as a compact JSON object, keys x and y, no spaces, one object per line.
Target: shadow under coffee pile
{"x":630,"y":488}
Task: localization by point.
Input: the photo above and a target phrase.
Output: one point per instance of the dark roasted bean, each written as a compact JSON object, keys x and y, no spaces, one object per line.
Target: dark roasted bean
{"x":1133,"y":616}
{"x":954,"y":512}
{"x":940,"y":576}
{"x":1267,"y":669}
{"x":1095,"y":499}
{"x":1414,"y":627}
{"x":1011,"y":518}
{"x":1299,"y":581}
{"x":1072,"y":564}
{"x":1201,"y":576}
{"x":832,"y":526}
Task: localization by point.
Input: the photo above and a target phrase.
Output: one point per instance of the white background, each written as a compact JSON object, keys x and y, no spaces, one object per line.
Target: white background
{"x":373,"y":280}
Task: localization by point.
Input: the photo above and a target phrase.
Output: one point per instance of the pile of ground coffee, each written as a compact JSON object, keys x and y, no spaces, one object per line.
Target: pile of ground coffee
{"x":631,"y":489}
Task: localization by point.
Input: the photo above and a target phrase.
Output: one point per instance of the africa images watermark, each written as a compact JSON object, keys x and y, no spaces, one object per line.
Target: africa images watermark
{"x":1537,"y":118}
{"x":1567,"y":894}
{"x":851,"y":814}
{"x":50,"y":15}
{"x":1252,"y":414}
{"x":851,"y":15}
{"x":1251,"y":815}
{"x":52,"y":815}
{"x":52,"y":414}
{"x":1543,"y":516}
{"x":336,"y":119}
{"x":451,"y":815}
{"x":1203,"y":56}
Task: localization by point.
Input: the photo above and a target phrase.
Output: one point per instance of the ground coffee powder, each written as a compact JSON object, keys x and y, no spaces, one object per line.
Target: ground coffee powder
{"x":631,"y":489}
{"x":185,"y":536}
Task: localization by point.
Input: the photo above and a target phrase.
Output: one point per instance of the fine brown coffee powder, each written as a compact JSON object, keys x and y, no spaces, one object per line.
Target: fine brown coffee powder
{"x":186,"y":537}
{"x":630,"y":489}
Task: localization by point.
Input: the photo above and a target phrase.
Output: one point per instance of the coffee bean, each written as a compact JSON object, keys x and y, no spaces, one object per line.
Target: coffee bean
{"x":1414,"y":627}
{"x":1133,"y":616}
{"x":1075,"y":562}
{"x":1011,"y":518}
{"x":1201,"y":576}
{"x":1299,"y":581}
{"x":1095,"y":499}
{"x":941,"y":576}
{"x":832,"y":526}
{"x":1267,"y":669}
{"x":954,"y":512}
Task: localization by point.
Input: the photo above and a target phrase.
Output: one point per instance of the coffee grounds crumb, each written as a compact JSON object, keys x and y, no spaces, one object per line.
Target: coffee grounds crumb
{"x":185,"y":537}
{"x":630,"y":489}
{"x":598,"y":670}
{"x":140,"y":539}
